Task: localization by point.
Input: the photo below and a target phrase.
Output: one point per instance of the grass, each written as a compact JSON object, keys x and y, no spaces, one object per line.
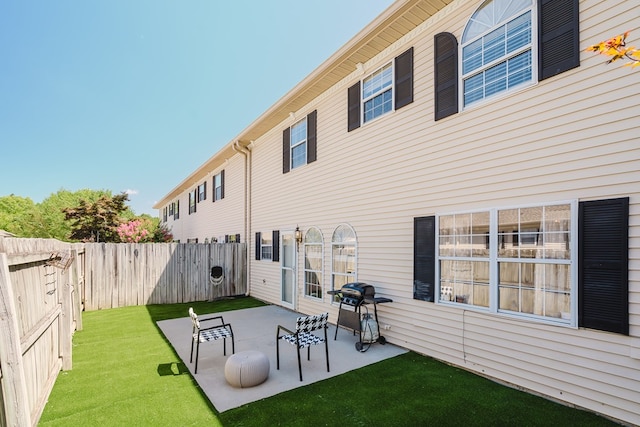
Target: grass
{"x":125,"y":373}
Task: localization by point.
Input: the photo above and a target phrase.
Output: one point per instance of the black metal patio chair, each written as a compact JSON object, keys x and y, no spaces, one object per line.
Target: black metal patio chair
{"x":199,"y":334}
{"x":304,"y":338}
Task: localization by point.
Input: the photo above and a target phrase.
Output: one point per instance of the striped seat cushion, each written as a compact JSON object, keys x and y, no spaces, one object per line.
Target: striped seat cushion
{"x":212,"y":334}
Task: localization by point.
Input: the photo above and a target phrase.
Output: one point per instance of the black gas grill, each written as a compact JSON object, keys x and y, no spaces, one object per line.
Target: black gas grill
{"x":354,"y":298}
{"x":355,"y":293}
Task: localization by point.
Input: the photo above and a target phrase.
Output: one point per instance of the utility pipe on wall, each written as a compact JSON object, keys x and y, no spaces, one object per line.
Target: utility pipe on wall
{"x":245,"y":150}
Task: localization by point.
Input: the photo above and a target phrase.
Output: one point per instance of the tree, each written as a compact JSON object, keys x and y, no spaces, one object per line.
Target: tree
{"x":162,"y":233}
{"x":133,"y":231}
{"x":616,"y":47}
{"x":97,"y":221}
{"x":142,"y":229}
{"x":17,"y":214}
{"x":51,"y":221}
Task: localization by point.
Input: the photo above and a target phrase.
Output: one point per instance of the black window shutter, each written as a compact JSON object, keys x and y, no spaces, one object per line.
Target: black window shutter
{"x":424,"y":258}
{"x":446,"y":75}
{"x":558,"y":37}
{"x":238,"y":238}
{"x":312,"y":126}
{"x":286,"y":150}
{"x":603,"y":263}
{"x":404,"y":79}
{"x":276,"y":246}
{"x":221,"y":184}
{"x":258,"y":245}
{"x":354,"y":107}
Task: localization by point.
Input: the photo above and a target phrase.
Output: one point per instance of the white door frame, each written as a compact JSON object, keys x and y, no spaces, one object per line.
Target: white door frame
{"x":288,"y":269}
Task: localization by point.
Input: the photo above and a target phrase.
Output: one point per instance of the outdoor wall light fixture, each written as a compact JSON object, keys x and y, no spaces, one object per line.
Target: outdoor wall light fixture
{"x":298,"y":235}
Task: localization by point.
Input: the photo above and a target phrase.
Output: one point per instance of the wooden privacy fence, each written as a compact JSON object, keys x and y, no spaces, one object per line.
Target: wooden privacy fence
{"x":45,"y":284}
{"x":39,"y":310}
{"x":120,"y":275}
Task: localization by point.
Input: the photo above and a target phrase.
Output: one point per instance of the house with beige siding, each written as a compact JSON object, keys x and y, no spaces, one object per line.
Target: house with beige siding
{"x":472,"y":162}
{"x":210,"y":205}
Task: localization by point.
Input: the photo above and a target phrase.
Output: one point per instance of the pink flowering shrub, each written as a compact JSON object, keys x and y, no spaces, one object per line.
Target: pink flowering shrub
{"x":134,"y":231}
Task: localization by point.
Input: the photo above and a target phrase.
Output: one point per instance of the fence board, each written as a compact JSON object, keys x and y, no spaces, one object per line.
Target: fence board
{"x":123,"y":274}
{"x":41,"y":301}
{"x":14,"y":383}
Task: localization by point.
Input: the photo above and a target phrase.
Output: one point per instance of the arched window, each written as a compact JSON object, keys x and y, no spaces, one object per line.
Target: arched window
{"x":313,"y":260}
{"x":497,"y":49}
{"x":343,"y":256}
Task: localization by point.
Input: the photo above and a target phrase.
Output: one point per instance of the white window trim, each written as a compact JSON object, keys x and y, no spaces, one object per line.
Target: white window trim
{"x":299,"y":143}
{"x":393,"y":93}
{"x":494,"y":261}
{"x":354,"y":274}
{"x":321,"y":271}
{"x":193,"y":200}
{"x":263,"y":245}
{"x":202,"y":190}
{"x":217,"y":179}
{"x":508,"y":92}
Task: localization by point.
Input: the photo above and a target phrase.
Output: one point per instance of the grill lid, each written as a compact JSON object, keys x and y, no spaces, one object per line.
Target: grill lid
{"x":358,"y":290}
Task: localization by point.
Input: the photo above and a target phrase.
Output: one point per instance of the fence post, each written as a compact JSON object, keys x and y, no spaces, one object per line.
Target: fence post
{"x":74,"y":277}
{"x":14,"y":384}
{"x":66,"y":325}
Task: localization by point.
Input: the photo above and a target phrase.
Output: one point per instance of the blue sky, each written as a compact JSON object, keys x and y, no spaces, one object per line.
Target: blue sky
{"x":134,"y":95}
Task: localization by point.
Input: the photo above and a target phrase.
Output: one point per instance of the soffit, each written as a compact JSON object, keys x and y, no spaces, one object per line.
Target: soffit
{"x":395,"y":22}
{"x":398,"y":20}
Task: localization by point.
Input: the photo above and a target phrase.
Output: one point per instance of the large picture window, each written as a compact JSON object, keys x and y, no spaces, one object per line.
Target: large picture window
{"x":497,"y":49}
{"x":313,"y":260}
{"x":519,"y":260}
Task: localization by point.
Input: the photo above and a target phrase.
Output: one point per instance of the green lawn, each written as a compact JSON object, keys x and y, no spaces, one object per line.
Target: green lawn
{"x":126,"y":374}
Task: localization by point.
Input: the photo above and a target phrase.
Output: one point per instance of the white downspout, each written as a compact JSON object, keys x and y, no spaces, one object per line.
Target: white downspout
{"x":246,"y":152}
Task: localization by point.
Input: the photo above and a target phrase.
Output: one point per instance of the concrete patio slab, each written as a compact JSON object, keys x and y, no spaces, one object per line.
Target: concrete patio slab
{"x":255,"y":329}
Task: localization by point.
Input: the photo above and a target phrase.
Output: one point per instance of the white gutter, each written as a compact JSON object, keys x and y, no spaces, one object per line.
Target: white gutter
{"x":245,"y":150}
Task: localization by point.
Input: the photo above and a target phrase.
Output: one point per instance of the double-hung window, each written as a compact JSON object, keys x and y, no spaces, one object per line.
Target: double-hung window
{"x":193,"y":195}
{"x":218,"y":186}
{"x":497,"y":50}
{"x":386,"y":89}
{"x":519,"y":261}
{"x":299,"y":143}
{"x":202,"y":192}
{"x":266,"y":246}
{"x":377,"y":93}
{"x":506,"y":45}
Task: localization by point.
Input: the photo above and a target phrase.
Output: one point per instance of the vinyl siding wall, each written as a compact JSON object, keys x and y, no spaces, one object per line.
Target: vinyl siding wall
{"x":214,"y":219}
{"x":570,"y":137}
